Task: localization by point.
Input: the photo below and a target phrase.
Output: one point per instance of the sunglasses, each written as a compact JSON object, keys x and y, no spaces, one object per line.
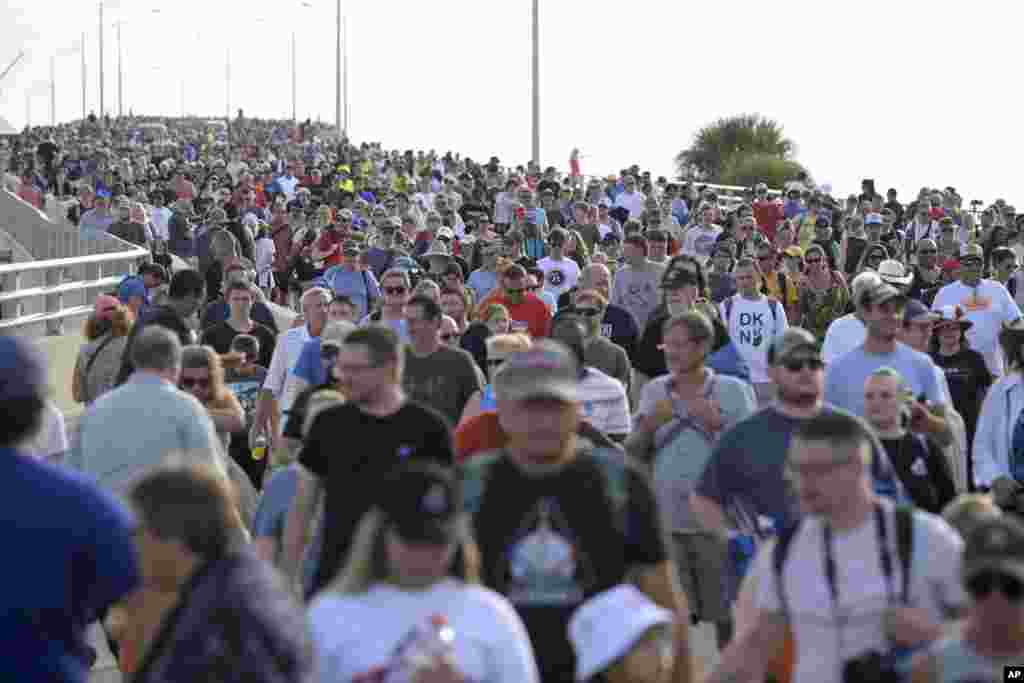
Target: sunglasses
{"x":981,"y":585}
{"x":394,"y":290}
{"x":589,"y":312}
{"x":189,"y":382}
{"x":799,"y":364}
{"x":812,"y":261}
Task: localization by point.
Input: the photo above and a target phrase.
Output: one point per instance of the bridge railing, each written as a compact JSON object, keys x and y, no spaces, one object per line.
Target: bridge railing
{"x":50,"y":273}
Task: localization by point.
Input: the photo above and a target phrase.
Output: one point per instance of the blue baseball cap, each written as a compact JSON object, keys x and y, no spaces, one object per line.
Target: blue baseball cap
{"x":22,"y":370}
{"x":132,"y":286}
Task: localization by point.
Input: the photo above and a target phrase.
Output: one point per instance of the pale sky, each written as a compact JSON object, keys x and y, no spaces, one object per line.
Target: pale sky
{"x":904,"y":91}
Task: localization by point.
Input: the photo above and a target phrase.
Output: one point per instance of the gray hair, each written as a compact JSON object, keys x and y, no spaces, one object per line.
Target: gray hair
{"x":156,"y":348}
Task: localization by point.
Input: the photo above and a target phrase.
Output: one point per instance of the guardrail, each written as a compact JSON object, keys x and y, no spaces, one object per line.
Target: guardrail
{"x":50,"y":273}
{"x":54,"y":290}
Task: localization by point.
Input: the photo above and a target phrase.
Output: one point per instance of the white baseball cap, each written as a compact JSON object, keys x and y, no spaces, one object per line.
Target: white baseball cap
{"x":604,"y":628}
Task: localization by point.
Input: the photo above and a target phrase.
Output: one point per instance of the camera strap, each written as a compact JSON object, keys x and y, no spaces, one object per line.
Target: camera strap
{"x":884,"y":560}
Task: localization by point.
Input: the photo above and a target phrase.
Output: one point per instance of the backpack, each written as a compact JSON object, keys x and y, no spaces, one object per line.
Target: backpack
{"x":904,"y":520}
{"x":1016,"y":444}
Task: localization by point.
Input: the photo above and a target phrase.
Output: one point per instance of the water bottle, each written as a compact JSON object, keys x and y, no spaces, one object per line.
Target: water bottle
{"x":258,"y":448}
{"x":433,"y":641}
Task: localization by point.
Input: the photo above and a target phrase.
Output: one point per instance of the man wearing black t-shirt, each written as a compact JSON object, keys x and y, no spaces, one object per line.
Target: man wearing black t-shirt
{"x":558,"y":519}
{"x":240,"y":298}
{"x":352,"y":448}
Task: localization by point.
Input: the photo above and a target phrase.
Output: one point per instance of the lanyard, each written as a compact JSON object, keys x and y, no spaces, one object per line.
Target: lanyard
{"x":884,"y":558}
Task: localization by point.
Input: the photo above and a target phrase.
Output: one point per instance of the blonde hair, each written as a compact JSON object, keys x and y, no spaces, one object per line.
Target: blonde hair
{"x":367,"y":562}
{"x":505,"y":344}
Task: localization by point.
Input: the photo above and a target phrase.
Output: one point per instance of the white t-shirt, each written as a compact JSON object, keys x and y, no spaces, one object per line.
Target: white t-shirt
{"x":631,"y":201}
{"x":160,"y":218}
{"x":700,"y":241}
{"x":752,"y":326}
{"x":988,"y":306}
{"x":559,"y":276}
{"x":51,"y":441}
{"x":357,"y":636}
{"x":863,"y":598}
{"x":843,"y":335}
{"x":603,"y":403}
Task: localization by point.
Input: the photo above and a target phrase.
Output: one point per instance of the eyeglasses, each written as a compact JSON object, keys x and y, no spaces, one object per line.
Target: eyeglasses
{"x":394,"y":290}
{"x":589,"y":312}
{"x":189,"y":382}
{"x":812,"y":261}
{"x":814,"y":364}
{"x":981,"y":585}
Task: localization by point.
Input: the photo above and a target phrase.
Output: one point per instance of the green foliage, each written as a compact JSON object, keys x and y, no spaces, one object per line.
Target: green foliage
{"x":736,"y":146}
{"x":750,"y":169}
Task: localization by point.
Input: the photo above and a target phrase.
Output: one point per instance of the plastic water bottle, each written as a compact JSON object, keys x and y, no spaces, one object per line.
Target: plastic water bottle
{"x":258,"y":448}
{"x":434,"y":641}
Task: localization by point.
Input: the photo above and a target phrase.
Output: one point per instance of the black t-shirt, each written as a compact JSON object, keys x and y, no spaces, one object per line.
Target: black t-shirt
{"x":297,"y":413}
{"x":352,"y":453}
{"x":969,"y":379}
{"x":923,"y":471}
{"x":165,"y":316}
{"x":550,"y":542}
{"x":220,"y":336}
{"x":923,"y":290}
{"x":445,"y":380}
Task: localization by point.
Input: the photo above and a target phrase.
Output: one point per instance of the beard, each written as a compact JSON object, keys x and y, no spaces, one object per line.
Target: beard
{"x":803,"y":397}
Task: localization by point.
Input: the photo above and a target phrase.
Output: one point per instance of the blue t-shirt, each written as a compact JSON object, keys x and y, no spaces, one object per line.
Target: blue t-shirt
{"x":844,"y":379}
{"x":269,"y":520}
{"x":482,"y":282}
{"x":75,"y":557}
{"x":355,"y":284}
{"x":747,"y":469}
{"x":309,"y":367}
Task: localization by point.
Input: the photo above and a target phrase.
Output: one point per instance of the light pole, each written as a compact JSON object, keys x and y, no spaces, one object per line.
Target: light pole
{"x":536,"y":82}
{"x":102,"y":70}
{"x":345,"y":76}
{"x":227,"y":86}
{"x":53,"y":91}
{"x":294,"y":72}
{"x":120,"y":72}
{"x":337,"y":75}
{"x":84,"y":112}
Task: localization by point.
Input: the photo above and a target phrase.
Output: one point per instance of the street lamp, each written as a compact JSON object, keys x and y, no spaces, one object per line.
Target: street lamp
{"x":536,"y":82}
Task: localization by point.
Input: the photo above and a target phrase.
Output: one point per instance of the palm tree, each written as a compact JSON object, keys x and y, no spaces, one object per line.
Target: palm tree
{"x":721,"y":144}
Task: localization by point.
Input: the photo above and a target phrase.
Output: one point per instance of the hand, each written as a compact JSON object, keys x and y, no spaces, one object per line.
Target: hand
{"x":707,"y":412}
{"x":1005,"y":491}
{"x":443,"y":671}
{"x":919,"y":417}
{"x":910,"y":626}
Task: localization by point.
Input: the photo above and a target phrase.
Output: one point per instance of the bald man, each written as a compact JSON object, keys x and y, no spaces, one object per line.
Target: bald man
{"x":618,"y":325}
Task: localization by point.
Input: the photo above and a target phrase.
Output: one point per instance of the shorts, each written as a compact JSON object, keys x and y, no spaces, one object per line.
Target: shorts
{"x":704,"y":573}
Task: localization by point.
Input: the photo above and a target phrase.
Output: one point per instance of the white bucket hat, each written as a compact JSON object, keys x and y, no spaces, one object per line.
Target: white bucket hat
{"x":891,"y":271}
{"x":606,"y":627}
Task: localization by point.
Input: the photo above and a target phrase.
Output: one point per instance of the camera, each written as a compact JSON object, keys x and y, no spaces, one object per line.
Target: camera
{"x":870,"y":667}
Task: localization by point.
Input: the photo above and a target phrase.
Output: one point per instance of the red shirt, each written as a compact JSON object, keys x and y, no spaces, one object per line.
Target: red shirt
{"x":329,"y":238}
{"x":768,"y":215}
{"x":531,"y":315}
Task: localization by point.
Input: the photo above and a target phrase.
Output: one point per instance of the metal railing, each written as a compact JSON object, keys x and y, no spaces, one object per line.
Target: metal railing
{"x":55,"y":273}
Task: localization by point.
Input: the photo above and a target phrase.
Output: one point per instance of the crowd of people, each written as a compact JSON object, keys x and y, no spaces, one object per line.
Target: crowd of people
{"x":369,"y":415}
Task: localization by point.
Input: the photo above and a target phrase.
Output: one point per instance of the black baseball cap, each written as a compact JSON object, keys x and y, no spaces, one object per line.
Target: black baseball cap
{"x":422,"y":501}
